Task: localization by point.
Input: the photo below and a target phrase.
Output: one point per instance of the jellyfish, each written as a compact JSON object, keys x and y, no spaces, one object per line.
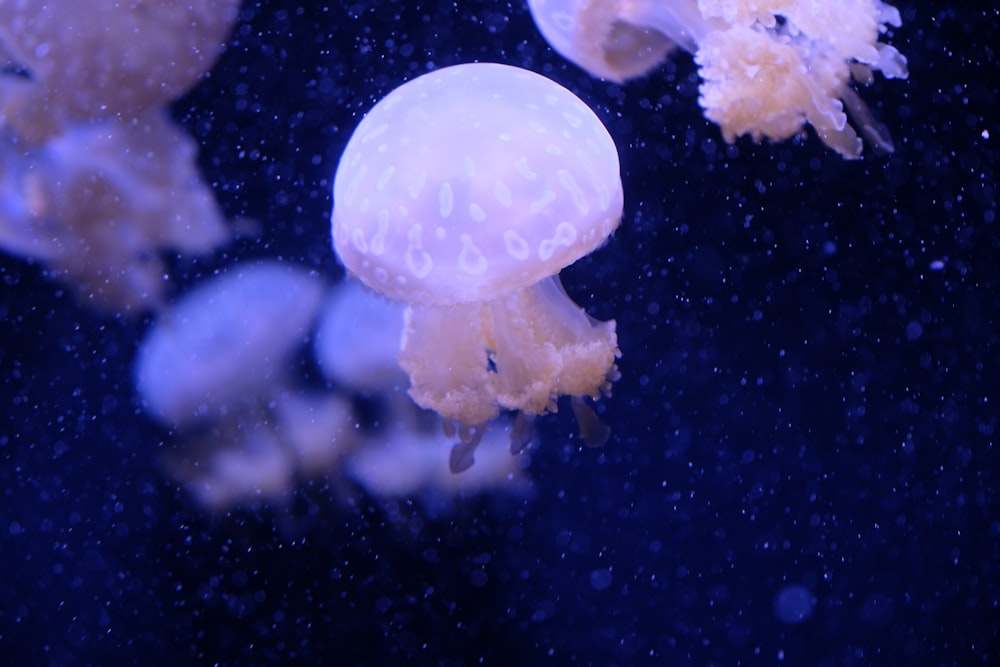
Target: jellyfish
{"x":767,"y":68}
{"x":227,"y":344}
{"x":252,"y":454}
{"x":79,"y":60}
{"x":357,"y":340}
{"x":233,"y":464}
{"x":98,"y":203}
{"x":463,"y":193}
{"x":401,"y":461}
{"x":96,"y":179}
{"x":218,"y":370}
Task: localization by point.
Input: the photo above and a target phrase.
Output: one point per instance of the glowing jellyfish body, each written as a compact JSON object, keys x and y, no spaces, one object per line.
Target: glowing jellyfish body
{"x":767,"y":67}
{"x":463,"y":193}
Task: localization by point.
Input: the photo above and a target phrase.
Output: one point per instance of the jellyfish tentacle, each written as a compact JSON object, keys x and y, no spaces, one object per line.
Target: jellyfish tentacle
{"x":595,"y":433}
{"x":542,"y":346}
{"x":463,"y":452}
{"x":522,"y":431}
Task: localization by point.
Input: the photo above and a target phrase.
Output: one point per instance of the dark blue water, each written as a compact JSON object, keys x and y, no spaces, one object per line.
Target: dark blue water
{"x":803,"y":468}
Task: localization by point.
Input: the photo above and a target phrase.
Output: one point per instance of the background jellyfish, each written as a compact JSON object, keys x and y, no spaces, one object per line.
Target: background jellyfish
{"x":218,"y":347}
{"x":218,"y":371}
{"x":404,"y":460}
{"x":767,"y":68}
{"x":100,"y":201}
{"x":463,"y":193}
{"x":96,"y":179}
{"x":81,"y":60}
{"x":357,"y":339}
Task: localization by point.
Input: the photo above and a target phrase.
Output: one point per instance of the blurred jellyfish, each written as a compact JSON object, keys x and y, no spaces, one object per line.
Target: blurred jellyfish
{"x":226,"y":344}
{"x":79,"y":60}
{"x":218,"y":370}
{"x":401,"y":462}
{"x":357,"y":339}
{"x":233,"y":463}
{"x":767,"y":68}
{"x":98,"y":203}
{"x":317,"y":430}
{"x":463,"y":193}
{"x":258,"y":454}
{"x":95,"y":179}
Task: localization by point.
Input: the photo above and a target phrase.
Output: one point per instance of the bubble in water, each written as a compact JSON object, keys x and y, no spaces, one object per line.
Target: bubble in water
{"x":600,"y":579}
{"x":794,"y":604}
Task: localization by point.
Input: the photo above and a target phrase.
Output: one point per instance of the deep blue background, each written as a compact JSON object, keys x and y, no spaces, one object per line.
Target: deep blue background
{"x":806,"y":400}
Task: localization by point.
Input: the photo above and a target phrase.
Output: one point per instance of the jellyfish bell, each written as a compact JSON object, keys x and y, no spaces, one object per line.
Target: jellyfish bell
{"x":463,"y":193}
{"x":226,"y":344}
{"x":481,"y":171}
{"x":357,"y":339}
{"x":768,"y":68}
{"x":602,"y":37}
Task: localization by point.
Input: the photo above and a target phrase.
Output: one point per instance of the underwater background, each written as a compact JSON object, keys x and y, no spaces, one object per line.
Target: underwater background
{"x":803,"y":465}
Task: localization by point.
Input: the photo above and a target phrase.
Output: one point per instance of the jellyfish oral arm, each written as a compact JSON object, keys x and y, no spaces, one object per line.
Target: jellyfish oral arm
{"x":444,"y":353}
{"x":521,"y":352}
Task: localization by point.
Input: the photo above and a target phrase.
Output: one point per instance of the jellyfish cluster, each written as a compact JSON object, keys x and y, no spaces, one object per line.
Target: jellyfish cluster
{"x":457,"y":201}
{"x":217,"y":372}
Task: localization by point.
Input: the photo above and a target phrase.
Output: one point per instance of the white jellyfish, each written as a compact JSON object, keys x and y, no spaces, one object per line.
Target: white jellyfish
{"x":99,"y":202}
{"x":96,"y":180}
{"x":767,"y":67}
{"x":463,"y":193}
{"x":357,"y":339}
{"x":257,"y":453}
{"x":218,"y":370}
{"x":227,"y":343}
{"x":233,"y":463}
{"x":78,"y":60}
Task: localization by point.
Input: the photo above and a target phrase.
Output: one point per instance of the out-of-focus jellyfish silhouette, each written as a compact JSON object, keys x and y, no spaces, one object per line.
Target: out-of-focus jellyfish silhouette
{"x":98,"y":202}
{"x":259,"y":454}
{"x":463,"y":193}
{"x":403,"y":460}
{"x":767,"y":68}
{"x":95,"y":179}
{"x":217,"y":369}
{"x":226,"y":343}
{"x":73,"y":61}
{"x":232,"y":464}
{"x":357,"y":340}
